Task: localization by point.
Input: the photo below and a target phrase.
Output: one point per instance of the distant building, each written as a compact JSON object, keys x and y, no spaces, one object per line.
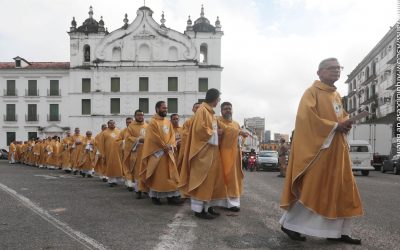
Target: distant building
{"x":278,"y":136}
{"x":267,"y":136}
{"x":110,"y":75}
{"x":372,"y":84}
{"x":257,"y":124}
{"x":251,"y":142}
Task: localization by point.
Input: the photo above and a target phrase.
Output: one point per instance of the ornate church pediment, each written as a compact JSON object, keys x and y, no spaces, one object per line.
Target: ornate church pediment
{"x":145,"y":40}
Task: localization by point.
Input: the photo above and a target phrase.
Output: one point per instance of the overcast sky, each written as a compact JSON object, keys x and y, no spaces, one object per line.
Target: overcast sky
{"x":270,"y":50}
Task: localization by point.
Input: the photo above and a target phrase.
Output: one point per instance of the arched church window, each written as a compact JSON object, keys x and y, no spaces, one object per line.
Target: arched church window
{"x":203,"y":53}
{"x":144,"y":53}
{"x":86,"y":53}
{"x":116,"y":54}
{"x":172,"y":54}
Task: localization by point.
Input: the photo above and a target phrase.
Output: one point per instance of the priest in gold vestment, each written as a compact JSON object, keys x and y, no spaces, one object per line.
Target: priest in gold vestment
{"x":134,"y":140}
{"x":320,"y":195}
{"x":202,"y":176}
{"x":158,"y":168}
{"x":231,"y":158}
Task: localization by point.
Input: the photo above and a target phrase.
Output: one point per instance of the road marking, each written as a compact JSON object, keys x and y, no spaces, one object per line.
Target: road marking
{"x":58,"y":210}
{"x":81,"y":238}
{"x":180,"y":234}
{"x":47,"y":177}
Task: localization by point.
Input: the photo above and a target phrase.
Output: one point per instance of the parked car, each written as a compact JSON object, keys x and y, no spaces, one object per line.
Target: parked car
{"x":392,"y":165}
{"x":3,"y":154}
{"x":267,"y":160}
{"x":361,"y":156}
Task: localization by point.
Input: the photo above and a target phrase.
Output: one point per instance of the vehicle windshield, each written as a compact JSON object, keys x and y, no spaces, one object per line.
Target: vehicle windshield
{"x":358,"y":148}
{"x":268,"y":154}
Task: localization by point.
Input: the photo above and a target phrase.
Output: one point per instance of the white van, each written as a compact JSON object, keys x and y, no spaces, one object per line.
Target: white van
{"x":361,"y":156}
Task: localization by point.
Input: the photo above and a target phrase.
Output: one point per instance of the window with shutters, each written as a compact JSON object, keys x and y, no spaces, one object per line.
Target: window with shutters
{"x":32,"y":112}
{"x":143,"y":84}
{"x":144,"y":105}
{"x":54,"y":115}
{"x":172,"y":83}
{"x":172,"y":105}
{"x":32,"y":88}
{"x":10,"y":112}
{"x":115,"y":107}
{"x":203,"y":84}
{"x":10,"y":137}
{"x":86,"y":109}
{"x":11,"y":88}
{"x":115,"y":84}
{"x":54,"y":88}
{"x":32,"y":135}
{"x":86,"y":85}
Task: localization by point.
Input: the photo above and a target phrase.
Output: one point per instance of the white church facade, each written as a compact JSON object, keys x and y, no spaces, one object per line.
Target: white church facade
{"x":110,"y":75}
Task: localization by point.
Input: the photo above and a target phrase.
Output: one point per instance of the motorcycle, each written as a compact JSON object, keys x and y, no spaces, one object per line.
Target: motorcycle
{"x":251,"y":163}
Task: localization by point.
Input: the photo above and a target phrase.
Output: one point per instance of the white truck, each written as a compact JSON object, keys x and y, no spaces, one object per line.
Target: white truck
{"x":379,"y":136}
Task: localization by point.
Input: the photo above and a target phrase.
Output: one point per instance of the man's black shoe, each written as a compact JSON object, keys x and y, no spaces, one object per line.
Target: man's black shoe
{"x":212,"y":211}
{"x":139,"y":195}
{"x":83,"y":175}
{"x":89,"y":176}
{"x":112,"y":184}
{"x":130,"y":189}
{"x":347,"y":239}
{"x":176,"y":200}
{"x":293,"y":235}
{"x":75,"y":172}
{"x":67,"y":171}
{"x":234,"y":209}
{"x":156,"y":201}
{"x":104,"y":179}
{"x":204,"y":215}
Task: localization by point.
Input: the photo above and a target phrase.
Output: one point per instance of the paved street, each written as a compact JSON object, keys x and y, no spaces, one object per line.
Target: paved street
{"x":47,"y":209}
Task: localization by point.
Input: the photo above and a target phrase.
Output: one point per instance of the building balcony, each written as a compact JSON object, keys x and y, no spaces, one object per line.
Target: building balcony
{"x":10,"y":118}
{"x":30,"y":92}
{"x":10,"y":92}
{"x":32,"y":118}
{"x":54,"y":118}
{"x":53,"y":92}
{"x":372,"y":98}
{"x":369,"y":80}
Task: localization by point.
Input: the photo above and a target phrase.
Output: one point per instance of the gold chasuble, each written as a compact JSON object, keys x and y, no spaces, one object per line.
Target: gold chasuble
{"x":319,"y":174}
{"x":99,"y":161}
{"x":111,"y":152}
{"x":201,"y":174}
{"x":66,"y":153}
{"x":76,"y":150}
{"x":158,"y":167}
{"x":133,"y":149}
{"x":86,"y":160}
{"x":12,"y":151}
{"x":231,"y":158}
{"x":178,"y":140}
{"x":36,"y":152}
{"x":184,"y":137}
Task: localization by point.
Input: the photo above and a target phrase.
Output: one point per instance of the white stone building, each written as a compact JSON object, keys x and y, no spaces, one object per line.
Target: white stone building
{"x":110,"y":75}
{"x":371,"y":85}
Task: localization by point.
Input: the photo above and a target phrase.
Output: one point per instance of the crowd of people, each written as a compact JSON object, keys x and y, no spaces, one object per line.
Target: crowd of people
{"x":200,"y":161}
